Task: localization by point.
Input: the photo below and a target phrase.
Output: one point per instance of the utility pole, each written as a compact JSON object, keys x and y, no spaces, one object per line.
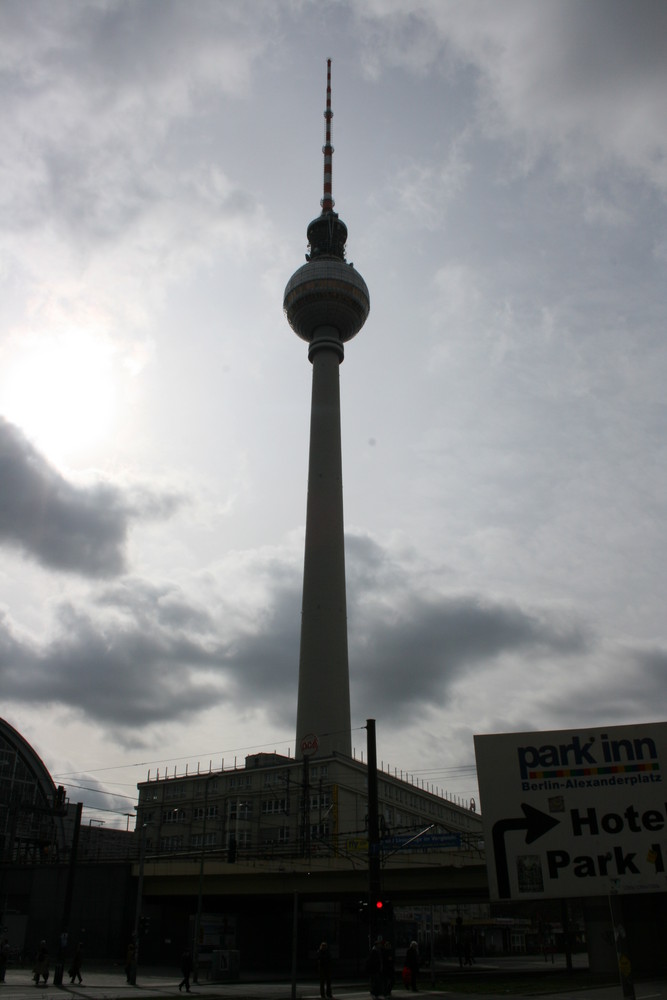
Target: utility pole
{"x":200,"y":890}
{"x":69,"y":890}
{"x":295,"y":942}
{"x":306,"y":807}
{"x":134,"y":960}
{"x":373,"y":832}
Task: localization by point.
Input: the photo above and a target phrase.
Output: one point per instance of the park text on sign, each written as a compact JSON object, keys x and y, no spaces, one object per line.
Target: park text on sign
{"x":574,"y":813}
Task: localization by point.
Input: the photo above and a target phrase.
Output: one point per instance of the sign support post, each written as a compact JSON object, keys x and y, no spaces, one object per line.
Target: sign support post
{"x":622,"y":950}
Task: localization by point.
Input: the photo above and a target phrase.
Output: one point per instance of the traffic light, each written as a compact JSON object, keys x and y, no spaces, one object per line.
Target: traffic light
{"x":384,"y":908}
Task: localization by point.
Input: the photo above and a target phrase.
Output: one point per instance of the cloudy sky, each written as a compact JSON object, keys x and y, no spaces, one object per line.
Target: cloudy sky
{"x":502,"y":170}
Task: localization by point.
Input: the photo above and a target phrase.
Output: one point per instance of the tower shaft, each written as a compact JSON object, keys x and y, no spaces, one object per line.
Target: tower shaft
{"x":323,"y":707}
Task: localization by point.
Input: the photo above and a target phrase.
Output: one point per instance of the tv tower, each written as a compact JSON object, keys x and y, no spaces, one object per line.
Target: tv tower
{"x":326,"y":303}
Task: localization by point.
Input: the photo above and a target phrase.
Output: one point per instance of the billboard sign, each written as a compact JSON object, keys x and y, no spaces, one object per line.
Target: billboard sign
{"x":574,"y":812}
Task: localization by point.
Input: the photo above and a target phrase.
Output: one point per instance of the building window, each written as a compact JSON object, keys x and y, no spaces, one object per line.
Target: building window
{"x":173,"y":816}
{"x":274,"y":806}
{"x":240,"y":810}
{"x":209,"y":813}
{"x":320,"y":801}
{"x":176,"y":791}
{"x":202,"y":786}
{"x":198,"y":840}
{"x":171,"y":843}
{"x":240,"y":781}
{"x":275,"y":835}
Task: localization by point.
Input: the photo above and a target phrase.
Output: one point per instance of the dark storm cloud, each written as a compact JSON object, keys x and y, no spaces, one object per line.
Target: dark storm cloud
{"x":144,"y":654}
{"x":152,"y":605}
{"x":629,"y":684}
{"x":265,"y":662}
{"x":61,"y":526}
{"x":126,"y":673}
{"x":75,"y":529}
{"x":119,"y":671}
{"x":95,"y":796}
{"x":411,"y":657}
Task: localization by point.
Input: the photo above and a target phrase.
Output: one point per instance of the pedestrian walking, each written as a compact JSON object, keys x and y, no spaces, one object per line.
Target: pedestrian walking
{"x":186,"y":969}
{"x":374,"y":969}
{"x":74,"y":970}
{"x":412,"y":963}
{"x":131,"y":963}
{"x":387,"y":968}
{"x":324,"y":968}
{"x":41,"y":969}
{"x":4,"y":958}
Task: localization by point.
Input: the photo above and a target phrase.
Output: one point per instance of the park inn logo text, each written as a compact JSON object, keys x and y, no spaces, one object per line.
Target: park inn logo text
{"x":588,"y":762}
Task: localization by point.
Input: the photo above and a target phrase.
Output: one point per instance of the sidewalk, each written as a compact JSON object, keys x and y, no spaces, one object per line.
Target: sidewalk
{"x":111,"y":984}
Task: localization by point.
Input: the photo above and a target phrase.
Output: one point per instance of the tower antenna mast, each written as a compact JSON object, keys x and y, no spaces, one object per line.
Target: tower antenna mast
{"x":327,"y":202}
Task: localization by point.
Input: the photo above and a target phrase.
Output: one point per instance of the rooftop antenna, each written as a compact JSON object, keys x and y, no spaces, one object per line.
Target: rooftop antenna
{"x":327,"y":201}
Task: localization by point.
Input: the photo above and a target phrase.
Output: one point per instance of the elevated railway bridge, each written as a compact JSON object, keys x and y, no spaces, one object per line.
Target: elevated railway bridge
{"x":277,"y":911}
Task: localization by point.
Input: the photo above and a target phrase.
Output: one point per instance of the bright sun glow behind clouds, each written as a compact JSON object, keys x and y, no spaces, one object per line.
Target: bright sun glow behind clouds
{"x":59,"y":388}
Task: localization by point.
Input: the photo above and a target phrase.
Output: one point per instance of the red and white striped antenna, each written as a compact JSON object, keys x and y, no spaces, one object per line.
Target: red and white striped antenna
{"x":327,"y":201}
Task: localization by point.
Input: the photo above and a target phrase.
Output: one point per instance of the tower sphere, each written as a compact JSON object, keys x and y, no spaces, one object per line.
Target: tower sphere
{"x":326,"y":292}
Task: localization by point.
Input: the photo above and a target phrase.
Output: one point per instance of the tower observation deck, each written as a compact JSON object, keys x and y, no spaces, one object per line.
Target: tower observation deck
{"x":326,"y":303}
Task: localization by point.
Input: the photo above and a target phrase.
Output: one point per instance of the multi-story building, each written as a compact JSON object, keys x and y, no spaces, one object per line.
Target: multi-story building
{"x":277,"y":807}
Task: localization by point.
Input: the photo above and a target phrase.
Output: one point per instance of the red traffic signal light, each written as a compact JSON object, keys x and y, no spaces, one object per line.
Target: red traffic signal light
{"x":379,"y":904}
